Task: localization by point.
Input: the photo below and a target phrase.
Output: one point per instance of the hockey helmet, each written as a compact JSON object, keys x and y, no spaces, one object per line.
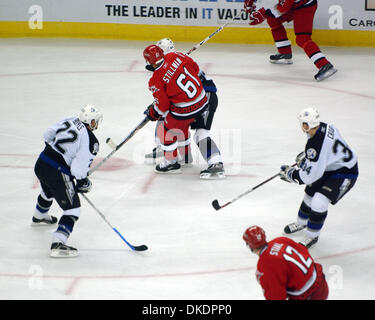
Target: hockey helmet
{"x":309,"y":116}
{"x":89,"y":113}
{"x":153,"y":54}
{"x":166,"y":45}
{"x":255,"y":237}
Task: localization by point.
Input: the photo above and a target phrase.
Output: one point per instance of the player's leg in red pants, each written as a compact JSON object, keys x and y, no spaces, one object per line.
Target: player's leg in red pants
{"x":279,"y":34}
{"x":173,"y":133}
{"x":303,"y":24}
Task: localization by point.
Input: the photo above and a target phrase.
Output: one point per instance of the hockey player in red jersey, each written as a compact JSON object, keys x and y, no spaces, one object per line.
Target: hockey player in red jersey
{"x":302,"y":13}
{"x":179,"y":97}
{"x":201,"y":125}
{"x":285,"y":269}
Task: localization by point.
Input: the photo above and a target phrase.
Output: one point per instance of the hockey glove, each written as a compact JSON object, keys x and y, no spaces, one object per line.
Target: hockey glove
{"x":286,"y":173}
{"x":300,"y":159}
{"x":258,"y":17}
{"x":83,"y":185}
{"x":249,"y":6}
{"x":151,"y":113}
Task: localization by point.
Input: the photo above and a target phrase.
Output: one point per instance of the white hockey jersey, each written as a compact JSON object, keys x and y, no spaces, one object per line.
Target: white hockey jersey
{"x":326,"y":153}
{"x":77,"y":145}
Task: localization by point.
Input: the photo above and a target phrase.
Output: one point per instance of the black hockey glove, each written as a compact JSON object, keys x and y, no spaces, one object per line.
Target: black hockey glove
{"x":83,"y":185}
{"x":151,"y":113}
{"x":286,"y":173}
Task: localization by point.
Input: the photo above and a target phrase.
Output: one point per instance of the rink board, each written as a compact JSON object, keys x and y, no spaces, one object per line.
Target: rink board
{"x":245,"y":35}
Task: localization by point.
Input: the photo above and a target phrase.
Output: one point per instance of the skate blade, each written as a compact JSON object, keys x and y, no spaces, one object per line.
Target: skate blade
{"x":42,"y":225}
{"x":282,"y":61}
{"x":327,"y":75}
{"x":216,"y":176}
{"x":56,"y":253}
{"x":178,"y":171}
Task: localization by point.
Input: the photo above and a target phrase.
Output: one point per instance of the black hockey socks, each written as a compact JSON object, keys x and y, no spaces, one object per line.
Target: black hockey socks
{"x":65,"y":228}
{"x":43,"y":205}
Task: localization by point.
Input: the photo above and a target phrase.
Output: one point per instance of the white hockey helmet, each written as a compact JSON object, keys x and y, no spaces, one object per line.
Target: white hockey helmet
{"x":89,"y":113}
{"x":166,"y":45}
{"x":309,"y":116}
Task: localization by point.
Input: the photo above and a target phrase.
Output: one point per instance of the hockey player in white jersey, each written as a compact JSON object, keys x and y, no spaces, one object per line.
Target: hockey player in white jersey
{"x":202,"y":125}
{"x":328,"y":167}
{"x":62,"y":167}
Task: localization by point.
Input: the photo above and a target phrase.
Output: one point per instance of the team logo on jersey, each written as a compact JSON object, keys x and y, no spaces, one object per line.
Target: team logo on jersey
{"x":311,"y":153}
{"x":258,"y":275}
{"x":153,"y":89}
{"x":95,"y":148}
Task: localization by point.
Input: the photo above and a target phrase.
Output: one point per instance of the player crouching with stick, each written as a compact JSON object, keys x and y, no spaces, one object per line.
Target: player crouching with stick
{"x":285,"y":269}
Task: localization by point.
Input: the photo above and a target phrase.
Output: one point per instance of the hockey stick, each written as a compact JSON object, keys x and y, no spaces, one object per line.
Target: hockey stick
{"x":116,"y":147}
{"x":214,"y":33}
{"x":217,"y":206}
{"x":135,"y":248}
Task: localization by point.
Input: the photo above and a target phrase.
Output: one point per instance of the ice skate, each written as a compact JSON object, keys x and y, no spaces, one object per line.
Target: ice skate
{"x":325,"y":72}
{"x":43,"y":220}
{"x":281,"y":58}
{"x":293,"y":227}
{"x":213,"y":172}
{"x":152,"y":157}
{"x":309,"y":242}
{"x":60,"y":250}
{"x":168,"y":167}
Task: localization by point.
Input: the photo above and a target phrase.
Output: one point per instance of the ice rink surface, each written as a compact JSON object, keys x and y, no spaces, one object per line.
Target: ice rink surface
{"x":194,"y":251}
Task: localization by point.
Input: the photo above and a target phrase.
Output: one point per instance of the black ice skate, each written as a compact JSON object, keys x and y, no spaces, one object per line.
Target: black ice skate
{"x":60,"y":250}
{"x":44,"y":221}
{"x":309,"y":242}
{"x":214,"y":171}
{"x":152,"y":157}
{"x":325,"y":72}
{"x":293,"y":227}
{"x":168,"y":167}
{"x":281,"y":58}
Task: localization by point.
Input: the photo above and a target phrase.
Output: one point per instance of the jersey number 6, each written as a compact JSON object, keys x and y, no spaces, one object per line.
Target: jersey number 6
{"x":188,"y":87}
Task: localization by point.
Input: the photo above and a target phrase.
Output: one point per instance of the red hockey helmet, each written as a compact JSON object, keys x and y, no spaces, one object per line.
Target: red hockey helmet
{"x":255,"y":237}
{"x":153,"y":54}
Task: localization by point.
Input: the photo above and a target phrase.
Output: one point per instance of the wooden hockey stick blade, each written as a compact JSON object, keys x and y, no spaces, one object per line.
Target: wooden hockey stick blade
{"x":216,"y":205}
{"x":142,"y":247}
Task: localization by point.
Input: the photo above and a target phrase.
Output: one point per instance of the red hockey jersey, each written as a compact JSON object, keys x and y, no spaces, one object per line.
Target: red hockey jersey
{"x":286,"y":270}
{"x":284,"y":6}
{"x":176,"y":87}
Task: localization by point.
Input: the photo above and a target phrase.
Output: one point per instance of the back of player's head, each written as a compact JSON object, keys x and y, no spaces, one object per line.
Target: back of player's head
{"x":166,"y":45}
{"x":309,"y":116}
{"x":88,"y":114}
{"x":153,"y":54}
{"x":255,"y":237}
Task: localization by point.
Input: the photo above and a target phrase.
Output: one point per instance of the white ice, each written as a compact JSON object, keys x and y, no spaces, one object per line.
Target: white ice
{"x":194,"y":251}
